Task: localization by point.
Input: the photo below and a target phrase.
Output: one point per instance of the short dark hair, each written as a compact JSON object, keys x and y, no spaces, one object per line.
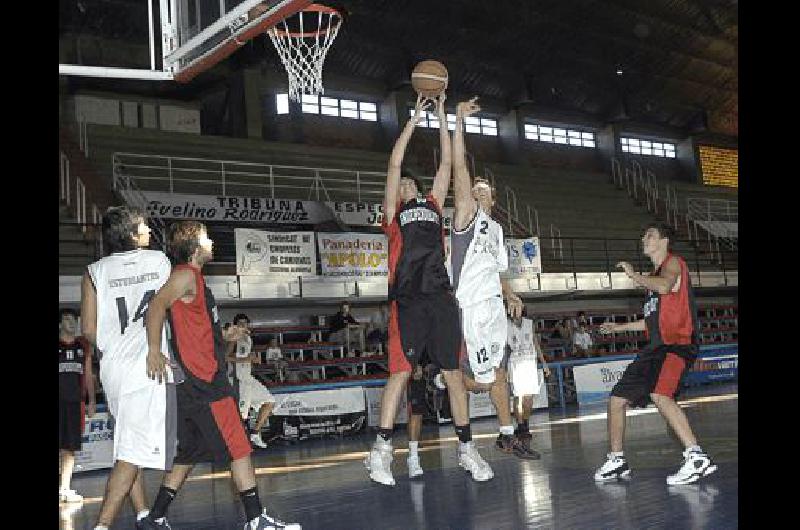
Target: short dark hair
{"x":183,"y":239}
{"x":119,"y":224}
{"x":66,"y":311}
{"x":241,"y":316}
{"x":665,"y":231}
{"x":406,"y":173}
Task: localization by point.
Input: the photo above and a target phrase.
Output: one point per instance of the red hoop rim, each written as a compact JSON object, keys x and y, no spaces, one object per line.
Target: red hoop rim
{"x":312,"y":8}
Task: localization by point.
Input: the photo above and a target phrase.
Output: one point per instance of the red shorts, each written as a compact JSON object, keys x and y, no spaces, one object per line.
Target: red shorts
{"x":650,"y":374}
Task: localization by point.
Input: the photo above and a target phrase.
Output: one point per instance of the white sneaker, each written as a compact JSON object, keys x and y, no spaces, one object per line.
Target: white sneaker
{"x":615,"y":467}
{"x":256,"y":440}
{"x":69,"y":496}
{"x":696,"y":465}
{"x":379,"y":464}
{"x":267,"y":522}
{"x":471,"y":460}
{"x":414,"y":469}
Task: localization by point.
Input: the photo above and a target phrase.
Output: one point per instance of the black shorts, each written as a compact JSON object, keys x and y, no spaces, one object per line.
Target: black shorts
{"x":209,"y":431}
{"x":415,"y":393}
{"x":70,"y":425}
{"x":425,"y":324}
{"x":651,"y":373}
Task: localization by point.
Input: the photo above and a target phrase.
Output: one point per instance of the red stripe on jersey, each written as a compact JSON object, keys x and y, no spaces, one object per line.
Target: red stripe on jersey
{"x":191,"y":324}
{"x":397,"y":358}
{"x":670,"y":375}
{"x":675,"y":312}
{"x":226,"y":416}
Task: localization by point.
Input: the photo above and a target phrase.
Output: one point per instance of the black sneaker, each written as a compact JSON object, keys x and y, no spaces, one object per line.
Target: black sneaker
{"x":522,"y":447}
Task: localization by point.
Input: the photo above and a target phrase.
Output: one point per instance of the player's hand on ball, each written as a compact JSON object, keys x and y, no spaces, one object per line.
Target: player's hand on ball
{"x":422,"y":106}
{"x":156,"y":366}
{"x":440,"y":103}
{"x":627,"y":267}
{"x":468,"y":108}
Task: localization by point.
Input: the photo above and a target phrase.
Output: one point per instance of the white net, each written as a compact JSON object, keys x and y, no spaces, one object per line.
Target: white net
{"x":303,"y":48}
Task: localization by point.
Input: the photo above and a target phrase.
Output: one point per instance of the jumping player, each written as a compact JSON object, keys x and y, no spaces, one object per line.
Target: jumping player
{"x":115,"y":294}
{"x":209,"y":428}
{"x":423,"y":313}
{"x":75,"y":382}
{"x":478,"y":256}
{"x":670,"y":320}
{"x":252,"y":393}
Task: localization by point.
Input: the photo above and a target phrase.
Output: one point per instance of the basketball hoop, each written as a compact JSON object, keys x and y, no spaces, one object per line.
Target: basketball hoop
{"x":302,"y":41}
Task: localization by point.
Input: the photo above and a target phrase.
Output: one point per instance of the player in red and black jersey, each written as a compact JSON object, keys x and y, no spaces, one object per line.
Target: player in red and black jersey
{"x":670,"y":320}
{"x":209,"y":427}
{"x":423,"y":316}
{"x":75,"y":382}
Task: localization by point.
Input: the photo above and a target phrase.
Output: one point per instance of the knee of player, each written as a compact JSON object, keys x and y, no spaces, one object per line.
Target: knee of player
{"x":617,"y":403}
{"x":660,"y":399}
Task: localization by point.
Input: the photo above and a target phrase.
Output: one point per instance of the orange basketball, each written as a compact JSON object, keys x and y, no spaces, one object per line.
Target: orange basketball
{"x":429,"y":78}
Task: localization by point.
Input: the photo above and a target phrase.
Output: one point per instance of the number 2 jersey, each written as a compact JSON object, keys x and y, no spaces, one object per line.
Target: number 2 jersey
{"x":478,"y":256}
{"x":125,"y":283}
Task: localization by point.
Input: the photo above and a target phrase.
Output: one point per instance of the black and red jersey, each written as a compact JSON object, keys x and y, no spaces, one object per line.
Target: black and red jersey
{"x":416,"y":249}
{"x":197,"y":343}
{"x":72,"y":359}
{"x":671,"y":318}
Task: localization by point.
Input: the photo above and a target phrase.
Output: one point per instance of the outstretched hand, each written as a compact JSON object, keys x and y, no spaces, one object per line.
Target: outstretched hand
{"x":469,"y":107}
{"x":423,"y":105}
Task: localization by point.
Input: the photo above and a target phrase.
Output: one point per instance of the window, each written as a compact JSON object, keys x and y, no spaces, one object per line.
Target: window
{"x":558,"y":135}
{"x":646,"y":147}
{"x":282,"y":103}
{"x":343,"y":108}
{"x":472,"y":124}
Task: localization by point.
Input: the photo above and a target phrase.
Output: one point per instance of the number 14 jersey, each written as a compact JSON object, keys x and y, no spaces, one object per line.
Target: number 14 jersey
{"x":125,"y":283}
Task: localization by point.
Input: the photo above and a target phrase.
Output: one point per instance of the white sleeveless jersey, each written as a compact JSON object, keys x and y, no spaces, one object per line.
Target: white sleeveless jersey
{"x":125,"y":283}
{"x":520,"y":338}
{"x":481,"y":262}
{"x":243,"y":348}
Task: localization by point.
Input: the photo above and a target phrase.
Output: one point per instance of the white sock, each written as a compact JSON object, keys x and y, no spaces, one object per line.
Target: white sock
{"x":141,"y":515}
{"x":617,"y":454}
{"x":463,"y":445}
{"x":412,"y":448}
{"x":694,"y":449}
{"x":100,"y":528}
{"x":508,"y":430}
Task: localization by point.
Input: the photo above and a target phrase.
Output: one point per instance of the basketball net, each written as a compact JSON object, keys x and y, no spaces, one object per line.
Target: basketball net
{"x":302,"y":42}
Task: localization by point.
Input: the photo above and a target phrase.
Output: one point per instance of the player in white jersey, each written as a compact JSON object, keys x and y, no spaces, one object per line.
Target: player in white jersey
{"x":252,"y":393}
{"x":478,"y":256}
{"x":523,"y":373}
{"x":115,"y":294}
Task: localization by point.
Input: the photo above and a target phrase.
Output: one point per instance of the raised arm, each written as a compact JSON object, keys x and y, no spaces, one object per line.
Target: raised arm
{"x":441,"y":182}
{"x":180,"y":283}
{"x":462,"y":186}
{"x":391,"y":195}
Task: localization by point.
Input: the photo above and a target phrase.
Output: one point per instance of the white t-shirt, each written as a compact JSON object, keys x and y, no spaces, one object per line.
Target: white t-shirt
{"x":520,"y":338}
{"x":274,"y":354}
{"x":243,"y":348}
{"x":125,"y":283}
{"x":582,"y":339}
{"x":482,"y":257}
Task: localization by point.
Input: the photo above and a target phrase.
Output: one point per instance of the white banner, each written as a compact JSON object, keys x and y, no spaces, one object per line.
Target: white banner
{"x":261,"y":253}
{"x":354,"y":255}
{"x":593,"y":382}
{"x":320,"y":402}
{"x":524,"y":257}
{"x":357,"y":213}
{"x":97,"y":444}
{"x":239,"y":209}
{"x":373,"y":396}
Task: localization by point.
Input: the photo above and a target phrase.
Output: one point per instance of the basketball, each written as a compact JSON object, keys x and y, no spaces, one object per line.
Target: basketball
{"x":429,"y":78}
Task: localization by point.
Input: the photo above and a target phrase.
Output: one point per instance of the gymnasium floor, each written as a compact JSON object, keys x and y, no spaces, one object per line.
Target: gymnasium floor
{"x":323,"y":485}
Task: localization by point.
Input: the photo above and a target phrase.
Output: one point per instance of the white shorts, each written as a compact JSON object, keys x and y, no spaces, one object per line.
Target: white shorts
{"x":485,"y":332}
{"x":523,"y":375}
{"x":252,"y":393}
{"x":145,"y":426}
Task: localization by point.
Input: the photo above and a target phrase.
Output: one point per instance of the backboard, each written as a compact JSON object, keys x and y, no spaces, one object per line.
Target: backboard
{"x":188,"y":37}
